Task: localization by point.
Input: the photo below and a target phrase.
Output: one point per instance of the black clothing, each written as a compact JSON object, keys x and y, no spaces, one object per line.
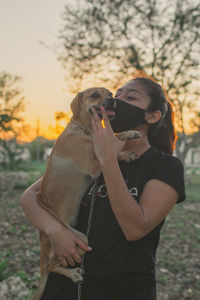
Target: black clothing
{"x":116,"y":265}
{"x":59,"y":287}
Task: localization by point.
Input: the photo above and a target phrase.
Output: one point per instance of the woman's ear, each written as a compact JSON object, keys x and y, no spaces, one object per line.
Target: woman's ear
{"x":152,"y":117}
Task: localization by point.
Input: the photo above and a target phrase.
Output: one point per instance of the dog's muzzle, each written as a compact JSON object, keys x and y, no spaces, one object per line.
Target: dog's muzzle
{"x":110,"y":106}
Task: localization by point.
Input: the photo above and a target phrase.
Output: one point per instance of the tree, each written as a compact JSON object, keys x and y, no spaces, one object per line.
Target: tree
{"x":187,"y":141}
{"x":37,"y":147}
{"x":108,"y":40}
{"x":11,"y":123}
{"x":61,"y":118}
{"x":10,"y":153}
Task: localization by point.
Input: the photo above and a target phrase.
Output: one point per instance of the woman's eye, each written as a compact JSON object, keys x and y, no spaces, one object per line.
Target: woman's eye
{"x":131,"y":98}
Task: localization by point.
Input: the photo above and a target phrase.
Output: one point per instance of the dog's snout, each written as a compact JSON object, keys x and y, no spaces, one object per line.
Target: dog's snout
{"x":109,"y":103}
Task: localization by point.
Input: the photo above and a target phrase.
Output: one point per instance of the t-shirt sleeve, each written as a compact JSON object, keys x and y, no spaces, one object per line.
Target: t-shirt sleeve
{"x":171,"y":171}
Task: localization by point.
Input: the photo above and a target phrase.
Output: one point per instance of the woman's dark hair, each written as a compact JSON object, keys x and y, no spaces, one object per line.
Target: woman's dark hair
{"x":162,"y":134}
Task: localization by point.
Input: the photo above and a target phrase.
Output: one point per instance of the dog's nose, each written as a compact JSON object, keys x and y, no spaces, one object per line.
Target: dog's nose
{"x":109,"y":103}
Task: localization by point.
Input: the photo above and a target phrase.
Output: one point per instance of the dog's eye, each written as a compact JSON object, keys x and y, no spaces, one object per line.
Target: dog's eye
{"x":95,"y":95}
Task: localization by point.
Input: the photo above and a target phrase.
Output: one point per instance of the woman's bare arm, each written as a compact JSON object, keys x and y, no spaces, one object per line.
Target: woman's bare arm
{"x":137,"y":219}
{"x":63,"y":241}
{"x":38,"y":217}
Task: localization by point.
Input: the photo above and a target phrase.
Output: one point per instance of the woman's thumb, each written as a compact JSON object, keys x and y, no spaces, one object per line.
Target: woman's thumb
{"x":83,"y":245}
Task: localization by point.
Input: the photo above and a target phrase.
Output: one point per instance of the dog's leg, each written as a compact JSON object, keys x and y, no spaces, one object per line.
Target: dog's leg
{"x":44,"y":259}
{"x":126,"y":155}
{"x":128,"y":135}
{"x":74,"y":274}
{"x":94,"y":168}
{"x":41,"y":286}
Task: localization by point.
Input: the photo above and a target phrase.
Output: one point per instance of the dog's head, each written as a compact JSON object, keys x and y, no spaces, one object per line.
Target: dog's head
{"x":82,"y":103}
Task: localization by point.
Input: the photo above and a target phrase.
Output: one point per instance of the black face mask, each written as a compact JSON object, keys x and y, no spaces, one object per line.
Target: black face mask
{"x":127,"y":116}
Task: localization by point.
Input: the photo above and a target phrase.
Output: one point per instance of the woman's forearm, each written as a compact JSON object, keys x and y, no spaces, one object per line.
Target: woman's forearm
{"x":38,"y":216}
{"x":63,"y":242}
{"x":127,"y":212}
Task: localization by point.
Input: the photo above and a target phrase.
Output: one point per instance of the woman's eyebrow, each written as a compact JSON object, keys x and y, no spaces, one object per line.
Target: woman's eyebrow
{"x":134,"y":90}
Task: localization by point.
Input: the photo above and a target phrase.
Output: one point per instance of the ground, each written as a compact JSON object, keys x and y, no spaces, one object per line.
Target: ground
{"x":178,"y":261}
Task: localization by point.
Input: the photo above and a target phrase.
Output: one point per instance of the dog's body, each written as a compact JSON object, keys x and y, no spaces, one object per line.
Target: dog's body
{"x":71,"y":168}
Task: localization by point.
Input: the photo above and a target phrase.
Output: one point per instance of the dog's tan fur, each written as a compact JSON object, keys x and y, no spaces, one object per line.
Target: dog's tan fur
{"x":71,"y":168}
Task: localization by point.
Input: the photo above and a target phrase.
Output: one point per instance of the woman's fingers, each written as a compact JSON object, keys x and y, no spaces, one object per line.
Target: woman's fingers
{"x":70,"y":261}
{"x":77,"y":258}
{"x":82,"y":245}
{"x":93,"y":124}
{"x":63,"y":261}
{"x":105,"y":119}
{"x":95,"y":120}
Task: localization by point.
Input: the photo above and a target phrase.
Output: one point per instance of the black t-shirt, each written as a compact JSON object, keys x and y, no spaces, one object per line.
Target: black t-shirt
{"x":114,"y":260}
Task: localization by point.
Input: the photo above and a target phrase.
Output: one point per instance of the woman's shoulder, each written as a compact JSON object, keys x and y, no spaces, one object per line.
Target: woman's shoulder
{"x":169,"y":169}
{"x":153,"y":161}
{"x":162,"y":158}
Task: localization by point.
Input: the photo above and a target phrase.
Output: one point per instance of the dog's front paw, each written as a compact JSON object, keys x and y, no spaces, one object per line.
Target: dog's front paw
{"x":128,"y":135}
{"x":133,"y":134}
{"x":127,"y":156}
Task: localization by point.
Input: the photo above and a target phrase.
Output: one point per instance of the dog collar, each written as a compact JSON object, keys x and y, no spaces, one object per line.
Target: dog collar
{"x":80,"y":126}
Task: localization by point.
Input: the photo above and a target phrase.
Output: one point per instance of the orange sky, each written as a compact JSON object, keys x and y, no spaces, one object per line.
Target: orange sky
{"x":23,"y":25}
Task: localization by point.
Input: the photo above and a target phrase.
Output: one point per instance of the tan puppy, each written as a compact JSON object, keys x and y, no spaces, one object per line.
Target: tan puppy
{"x":71,"y":168}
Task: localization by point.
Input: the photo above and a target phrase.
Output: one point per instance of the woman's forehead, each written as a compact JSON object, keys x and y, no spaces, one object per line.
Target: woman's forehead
{"x":139,"y":89}
{"x":134,"y":86}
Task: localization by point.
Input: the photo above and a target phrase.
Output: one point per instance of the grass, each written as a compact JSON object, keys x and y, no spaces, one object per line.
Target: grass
{"x":178,"y":263}
{"x":28,"y":166}
{"x":193,"y":184}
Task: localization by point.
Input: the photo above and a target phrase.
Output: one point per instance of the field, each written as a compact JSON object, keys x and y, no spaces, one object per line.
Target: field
{"x":178,"y":260}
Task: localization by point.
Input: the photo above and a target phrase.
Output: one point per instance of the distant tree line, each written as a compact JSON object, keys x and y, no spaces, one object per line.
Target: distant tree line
{"x":12,"y":126}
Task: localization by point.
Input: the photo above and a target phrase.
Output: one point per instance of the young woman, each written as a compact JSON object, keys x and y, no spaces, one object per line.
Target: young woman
{"x":132,"y":202}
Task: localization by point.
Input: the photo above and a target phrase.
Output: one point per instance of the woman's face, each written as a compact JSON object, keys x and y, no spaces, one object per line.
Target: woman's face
{"x":134,"y":93}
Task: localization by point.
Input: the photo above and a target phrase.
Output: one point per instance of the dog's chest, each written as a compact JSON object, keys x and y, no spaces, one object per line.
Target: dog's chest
{"x":64,"y":165}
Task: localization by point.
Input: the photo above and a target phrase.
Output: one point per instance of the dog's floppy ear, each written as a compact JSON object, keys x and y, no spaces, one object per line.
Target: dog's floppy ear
{"x":76,"y":105}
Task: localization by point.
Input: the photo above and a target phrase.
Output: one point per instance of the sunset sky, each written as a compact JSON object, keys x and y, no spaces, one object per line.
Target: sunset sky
{"x":23,"y":24}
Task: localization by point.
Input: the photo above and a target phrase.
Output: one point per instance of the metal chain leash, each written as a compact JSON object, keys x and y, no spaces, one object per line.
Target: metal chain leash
{"x":92,"y":202}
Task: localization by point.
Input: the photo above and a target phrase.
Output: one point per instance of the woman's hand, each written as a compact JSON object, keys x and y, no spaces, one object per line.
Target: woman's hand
{"x":106,"y":144}
{"x":64,"y":244}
